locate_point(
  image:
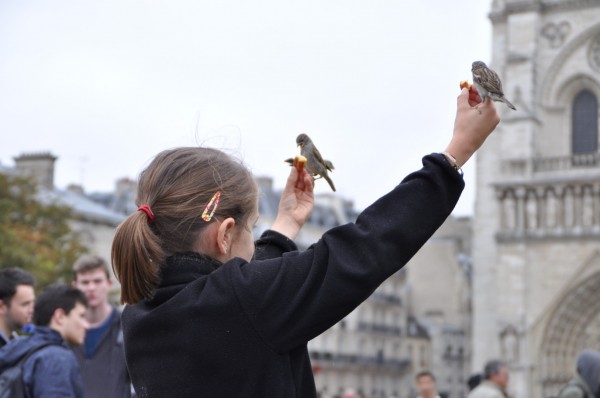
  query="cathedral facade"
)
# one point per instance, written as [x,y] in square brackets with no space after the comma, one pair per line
[536,249]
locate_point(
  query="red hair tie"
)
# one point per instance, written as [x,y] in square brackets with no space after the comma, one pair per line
[146,209]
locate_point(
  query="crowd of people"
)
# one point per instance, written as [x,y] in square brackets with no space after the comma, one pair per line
[69,336]
[493,381]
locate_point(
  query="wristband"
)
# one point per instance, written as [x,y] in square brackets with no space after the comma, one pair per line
[452,160]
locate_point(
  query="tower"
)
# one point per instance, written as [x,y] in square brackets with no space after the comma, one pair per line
[536,295]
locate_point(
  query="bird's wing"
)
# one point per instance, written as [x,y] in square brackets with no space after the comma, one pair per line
[318,155]
[492,80]
[328,165]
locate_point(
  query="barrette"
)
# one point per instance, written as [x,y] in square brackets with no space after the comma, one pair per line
[206,216]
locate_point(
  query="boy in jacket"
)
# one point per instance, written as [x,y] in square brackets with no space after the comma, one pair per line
[52,371]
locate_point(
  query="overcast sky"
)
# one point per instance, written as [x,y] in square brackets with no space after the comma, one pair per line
[106,85]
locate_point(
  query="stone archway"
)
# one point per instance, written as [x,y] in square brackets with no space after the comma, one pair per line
[548,90]
[573,326]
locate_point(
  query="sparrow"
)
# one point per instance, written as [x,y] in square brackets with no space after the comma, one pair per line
[488,84]
[316,165]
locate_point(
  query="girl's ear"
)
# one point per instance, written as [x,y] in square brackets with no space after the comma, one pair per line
[224,235]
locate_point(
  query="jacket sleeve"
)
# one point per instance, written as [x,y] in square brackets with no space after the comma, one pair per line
[293,298]
[55,373]
[272,244]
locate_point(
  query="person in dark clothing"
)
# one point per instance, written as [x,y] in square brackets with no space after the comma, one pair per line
[16,302]
[51,371]
[211,314]
[102,357]
[586,382]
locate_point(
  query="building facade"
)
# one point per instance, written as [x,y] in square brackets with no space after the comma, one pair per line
[439,279]
[537,215]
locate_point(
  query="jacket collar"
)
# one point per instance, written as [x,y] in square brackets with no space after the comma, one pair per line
[48,335]
[3,339]
[179,270]
[182,268]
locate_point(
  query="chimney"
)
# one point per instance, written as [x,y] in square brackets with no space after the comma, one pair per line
[39,166]
[76,188]
[125,186]
[265,184]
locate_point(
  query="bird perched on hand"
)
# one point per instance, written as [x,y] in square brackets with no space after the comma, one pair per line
[488,84]
[316,165]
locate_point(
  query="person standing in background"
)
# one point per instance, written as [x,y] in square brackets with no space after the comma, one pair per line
[586,382]
[16,302]
[51,370]
[495,381]
[426,385]
[102,356]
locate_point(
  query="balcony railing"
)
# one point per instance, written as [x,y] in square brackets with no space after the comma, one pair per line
[359,360]
[578,161]
[549,210]
[384,298]
[379,328]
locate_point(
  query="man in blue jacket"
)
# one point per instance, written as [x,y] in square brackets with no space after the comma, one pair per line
[52,371]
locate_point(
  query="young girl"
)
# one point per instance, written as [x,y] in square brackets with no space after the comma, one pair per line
[213,314]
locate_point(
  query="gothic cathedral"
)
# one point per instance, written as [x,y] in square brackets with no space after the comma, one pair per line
[536,283]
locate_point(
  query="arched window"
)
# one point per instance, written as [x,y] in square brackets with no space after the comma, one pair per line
[585,123]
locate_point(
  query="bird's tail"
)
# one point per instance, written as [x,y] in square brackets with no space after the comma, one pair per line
[326,177]
[507,102]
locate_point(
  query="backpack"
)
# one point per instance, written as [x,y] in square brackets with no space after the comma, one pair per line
[11,380]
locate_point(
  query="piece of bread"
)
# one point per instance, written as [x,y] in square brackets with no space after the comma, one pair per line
[465,84]
[299,163]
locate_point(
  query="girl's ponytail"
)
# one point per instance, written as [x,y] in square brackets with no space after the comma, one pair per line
[136,256]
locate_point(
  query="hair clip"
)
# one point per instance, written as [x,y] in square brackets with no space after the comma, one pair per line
[146,209]
[206,216]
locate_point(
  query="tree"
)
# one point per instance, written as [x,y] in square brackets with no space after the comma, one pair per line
[35,236]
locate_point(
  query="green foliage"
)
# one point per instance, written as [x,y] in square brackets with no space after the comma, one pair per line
[35,236]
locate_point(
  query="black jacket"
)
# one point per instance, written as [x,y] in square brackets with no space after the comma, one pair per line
[240,329]
[105,373]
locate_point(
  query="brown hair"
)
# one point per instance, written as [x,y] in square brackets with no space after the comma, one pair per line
[89,263]
[425,373]
[177,186]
